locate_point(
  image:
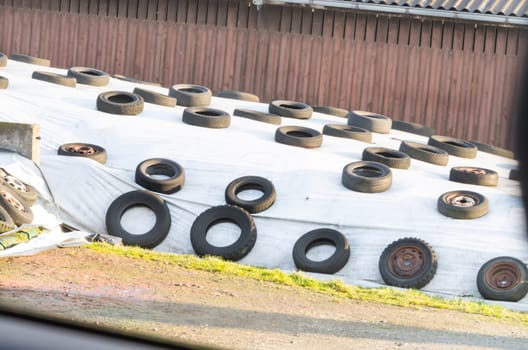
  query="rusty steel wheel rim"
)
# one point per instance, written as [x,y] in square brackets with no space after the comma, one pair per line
[407,261]
[462,200]
[82,149]
[15,183]
[503,276]
[15,203]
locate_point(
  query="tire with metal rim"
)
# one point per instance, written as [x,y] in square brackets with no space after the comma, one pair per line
[6,222]
[23,190]
[474,176]
[335,111]
[120,102]
[85,150]
[54,78]
[371,121]
[17,208]
[251,183]
[456,147]
[3,59]
[514,175]
[258,116]
[89,76]
[408,263]
[134,80]
[238,95]
[30,59]
[503,278]
[155,97]
[413,128]
[290,109]
[126,201]
[348,132]
[206,117]
[322,236]
[299,136]
[221,214]
[498,151]
[463,204]
[367,177]
[160,166]
[389,157]
[425,153]
[4,82]
[190,95]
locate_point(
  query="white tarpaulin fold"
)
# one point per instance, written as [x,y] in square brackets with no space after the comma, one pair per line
[307,181]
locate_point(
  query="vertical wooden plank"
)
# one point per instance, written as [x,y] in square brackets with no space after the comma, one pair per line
[270,74]
[240,68]
[360,28]
[382,30]
[172,12]
[426,34]
[305,68]
[182,11]
[501,42]
[458,36]
[334,81]
[338,30]
[490,39]
[243,14]
[201,11]
[34,44]
[404,33]
[112,8]
[83,7]
[131,40]
[132,9]
[229,58]
[192,12]
[286,19]
[282,66]
[345,73]
[296,20]
[306,21]
[269,18]
[312,97]
[317,22]
[415,32]
[321,88]
[328,24]
[232,13]
[294,62]
[221,15]
[370,28]
[142,9]
[393,30]
[45,29]
[260,65]
[252,22]
[120,46]
[93,7]
[211,8]
[249,81]
[170,57]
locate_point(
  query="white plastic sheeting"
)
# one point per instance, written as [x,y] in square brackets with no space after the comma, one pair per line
[308,183]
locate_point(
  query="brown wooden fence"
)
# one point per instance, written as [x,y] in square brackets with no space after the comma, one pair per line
[457,77]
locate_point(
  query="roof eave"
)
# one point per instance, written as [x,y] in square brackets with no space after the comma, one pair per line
[401,10]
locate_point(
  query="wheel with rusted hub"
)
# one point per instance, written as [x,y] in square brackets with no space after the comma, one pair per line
[408,263]
[463,204]
[16,207]
[24,191]
[85,150]
[474,176]
[503,278]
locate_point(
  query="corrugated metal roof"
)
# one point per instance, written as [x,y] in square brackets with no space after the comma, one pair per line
[516,8]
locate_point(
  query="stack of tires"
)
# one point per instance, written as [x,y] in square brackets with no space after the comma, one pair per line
[16,198]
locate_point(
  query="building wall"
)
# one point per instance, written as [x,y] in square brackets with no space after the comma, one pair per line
[460,78]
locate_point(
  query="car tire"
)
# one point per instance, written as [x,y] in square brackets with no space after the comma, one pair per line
[318,237]
[4,83]
[206,117]
[408,263]
[503,278]
[389,157]
[413,128]
[23,190]
[238,95]
[463,204]
[299,136]
[258,116]
[334,111]
[30,59]
[251,183]
[128,200]
[425,153]
[224,213]
[373,122]
[190,95]
[85,150]
[160,166]
[456,147]
[367,177]
[120,102]
[474,176]
[54,78]
[348,132]
[155,97]
[498,151]
[290,109]
[17,208]
[89,76]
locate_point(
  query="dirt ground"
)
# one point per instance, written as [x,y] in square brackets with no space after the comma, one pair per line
[160,299]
